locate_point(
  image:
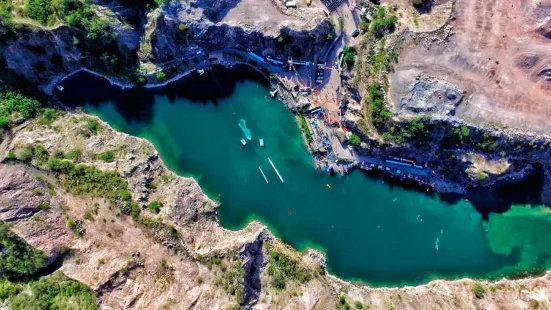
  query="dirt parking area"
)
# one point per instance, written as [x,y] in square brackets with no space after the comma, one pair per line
[499,56]
[269,16]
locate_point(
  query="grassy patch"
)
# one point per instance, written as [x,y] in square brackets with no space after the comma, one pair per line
[108,156]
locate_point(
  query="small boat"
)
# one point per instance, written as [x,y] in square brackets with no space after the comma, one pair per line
[201,71]
[60,87]
[261,141]
[243,141]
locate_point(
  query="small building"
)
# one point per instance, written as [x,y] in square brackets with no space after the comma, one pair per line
[291,4]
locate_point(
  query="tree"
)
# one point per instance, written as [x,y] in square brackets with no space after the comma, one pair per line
[161,76]
[354,139]
[329,37]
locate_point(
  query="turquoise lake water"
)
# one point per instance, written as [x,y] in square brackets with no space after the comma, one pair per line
[370,231]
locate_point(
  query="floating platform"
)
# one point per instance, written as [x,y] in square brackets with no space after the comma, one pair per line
[261,141]
[60,87]
[265,178]
[243,141]
[275,169]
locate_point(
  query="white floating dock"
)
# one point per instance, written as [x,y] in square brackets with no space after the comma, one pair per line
[243,141]
[261,141]
[275,169]
[265,178]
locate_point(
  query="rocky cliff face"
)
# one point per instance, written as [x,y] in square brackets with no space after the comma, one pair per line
[174,38]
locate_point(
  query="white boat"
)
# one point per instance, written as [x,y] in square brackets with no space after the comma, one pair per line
[201,71]
[243,141]
[261,141]
[60,87]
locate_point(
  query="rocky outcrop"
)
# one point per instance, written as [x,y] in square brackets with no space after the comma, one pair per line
[169,40]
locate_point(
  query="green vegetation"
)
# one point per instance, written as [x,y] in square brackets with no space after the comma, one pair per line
[354,139]
[481,176]
[107,156]
[48,116]
[342,303]
[377,111]
[14,106]
[305,129]
[349,55]
[233,281]
[283,268]
[41,10]
[382,22]
[280,40]
[77,14]
[487,143]
[155,206]
[74,155]
[161,76]
[93,126]
[462,132]
[30,152]
[182,28]
[358,304]
[48,293]
[18,259]
[478,290]
[329,37]
[420,3]
[380,59]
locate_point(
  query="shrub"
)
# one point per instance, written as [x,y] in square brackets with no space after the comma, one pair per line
[358,304]
[93,126]
[40,10]
[74,155]
[478,290]
[285,268]
[27,153]
[349,55]
[182,27]
[161,76]
[155,206]
[108,156]
[329,37]
[13,102]
[354,139]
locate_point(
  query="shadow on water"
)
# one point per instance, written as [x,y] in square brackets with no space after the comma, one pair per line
[497,198]
[501,196]
[136,104]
